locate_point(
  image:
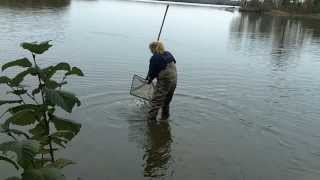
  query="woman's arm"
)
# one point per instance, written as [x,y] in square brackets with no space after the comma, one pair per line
[153,69]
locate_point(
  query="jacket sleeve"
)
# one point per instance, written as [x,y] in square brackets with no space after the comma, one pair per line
[153,69]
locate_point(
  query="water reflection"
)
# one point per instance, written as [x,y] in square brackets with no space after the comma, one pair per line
[157,149]
[286,36]
[155,140]
[34,3]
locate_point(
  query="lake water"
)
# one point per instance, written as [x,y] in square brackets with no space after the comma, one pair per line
[247,105]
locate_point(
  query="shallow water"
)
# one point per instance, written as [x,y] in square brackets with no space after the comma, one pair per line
[247,103]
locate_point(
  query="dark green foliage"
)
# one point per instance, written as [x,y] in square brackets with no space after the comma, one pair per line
[35,47]
[47,132]
[36,91]
[4,80]
[75,71]
[304,7]
[2,102]
[16,132]
[21,107]
[63,99]
[66,125]
[25,150]
[18,91]
[62,66]
[24,62]
[52,84]
[2,158]
[39,130]
[61,163]
[316,6]
[24,117]
[20,77]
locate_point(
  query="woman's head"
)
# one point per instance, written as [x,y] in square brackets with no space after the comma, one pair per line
[156,47]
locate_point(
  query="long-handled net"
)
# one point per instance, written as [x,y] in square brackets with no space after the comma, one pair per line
[140,88]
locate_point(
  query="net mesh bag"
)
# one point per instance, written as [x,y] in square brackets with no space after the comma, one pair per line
[140,88]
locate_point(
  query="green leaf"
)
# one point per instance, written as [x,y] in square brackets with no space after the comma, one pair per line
[3,128]
[66,135]
[38,130]
[51,70]
[4,80]
[20,77]
[63,99]
[24,117]
[43,174]
[51,84]
[18,92]
[51,110]
[2,102]
[62,124]
[25,150]
[43,140]
[60,163]
[2,158]
[62,66]
[13,178]
[75,71]
[24,62]
[21,86]
[19,133]
[59,141]
[42,73]
[36,91]
[47,151]
[39,163]
[35,47]
[26,106]
[48,71]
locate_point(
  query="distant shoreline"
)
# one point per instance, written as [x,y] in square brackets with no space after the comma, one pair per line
[236,6]
[285,13]
[200,2]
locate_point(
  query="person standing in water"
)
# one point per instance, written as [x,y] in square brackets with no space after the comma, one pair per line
[163,68]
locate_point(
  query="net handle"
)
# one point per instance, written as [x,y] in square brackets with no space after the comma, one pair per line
[163,20]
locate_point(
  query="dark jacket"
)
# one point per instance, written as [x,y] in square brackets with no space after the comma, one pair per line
[158,62]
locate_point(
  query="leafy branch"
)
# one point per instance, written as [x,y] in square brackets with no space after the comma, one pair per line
[35,148]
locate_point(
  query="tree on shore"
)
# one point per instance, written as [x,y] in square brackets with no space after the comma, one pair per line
[297,6]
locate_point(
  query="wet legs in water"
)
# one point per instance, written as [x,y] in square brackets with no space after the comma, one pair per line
[161,100]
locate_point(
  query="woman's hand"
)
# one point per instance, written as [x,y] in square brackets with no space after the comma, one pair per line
[149,81]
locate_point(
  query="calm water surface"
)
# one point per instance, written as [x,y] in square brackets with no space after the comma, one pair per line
[247,104]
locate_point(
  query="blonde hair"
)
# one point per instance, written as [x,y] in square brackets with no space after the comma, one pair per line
[157,47]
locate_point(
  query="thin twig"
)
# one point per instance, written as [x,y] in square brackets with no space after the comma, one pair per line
[9,134]
[64,78]
[33,98]
[42,157]
[3,114]
[18,95]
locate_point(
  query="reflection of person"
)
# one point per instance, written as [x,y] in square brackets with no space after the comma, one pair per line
[163,68]
[157,150]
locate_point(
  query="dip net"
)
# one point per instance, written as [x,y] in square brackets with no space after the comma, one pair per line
[140,88]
